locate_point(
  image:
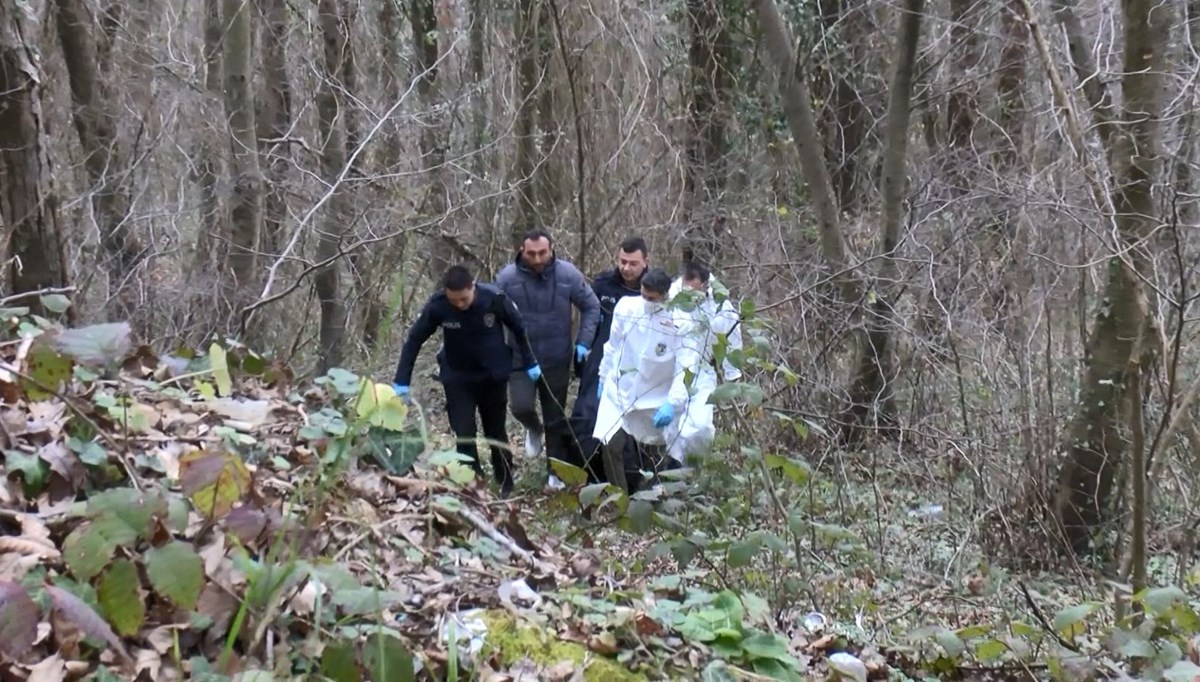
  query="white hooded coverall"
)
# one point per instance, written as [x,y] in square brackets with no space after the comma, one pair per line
[723,319]
[647,359]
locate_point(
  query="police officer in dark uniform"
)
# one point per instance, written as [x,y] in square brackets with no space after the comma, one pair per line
[610,286]
[475,363]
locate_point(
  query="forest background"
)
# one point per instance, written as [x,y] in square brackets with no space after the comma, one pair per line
[958,232]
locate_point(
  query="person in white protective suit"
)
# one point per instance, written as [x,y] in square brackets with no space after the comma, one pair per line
[643,392]
[723,316]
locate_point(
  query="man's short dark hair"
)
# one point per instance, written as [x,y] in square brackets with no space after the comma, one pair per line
[457,278]
[656,280]
[696,271]
[534,235]
[632,244]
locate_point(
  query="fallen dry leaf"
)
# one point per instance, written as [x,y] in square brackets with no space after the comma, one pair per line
[50,669]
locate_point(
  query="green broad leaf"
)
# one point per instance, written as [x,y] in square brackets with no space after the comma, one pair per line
[56,303]
[1137,647]
[639,515]
[98,345]
[953,645]
[343,382]
[1182,671]
[379,405]
[365,600]
[591,493]
[395,451]
[338,662]
[87,550]
[737,392]
[134,510]
[176,572]
[1159,600]
[84,617]
[11,315]
[90,452]
[795,470]
[34,470]
[741,553]
[120,598]
[220,369]
[569,474]
[1069,622]
[1025,630]
[683,551]
[48,370]
[387,659]
[990,650]
[768,645]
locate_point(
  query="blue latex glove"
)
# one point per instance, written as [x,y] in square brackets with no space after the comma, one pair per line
[534,373]
[664,415]
[599,390]
[581,352]
[401,390]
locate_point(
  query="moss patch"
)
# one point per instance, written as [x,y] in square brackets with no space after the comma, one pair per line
[516,641]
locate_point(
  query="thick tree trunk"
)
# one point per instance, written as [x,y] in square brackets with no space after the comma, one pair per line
[209,250]
[708,59]
[36,251]
[1010,86]
[274,120]
[847,117]
[327,281]
[872,401]
[432,209]
[96,127]
[1094,444]
[524,165]
[797,109]
[246,214]
[962,106]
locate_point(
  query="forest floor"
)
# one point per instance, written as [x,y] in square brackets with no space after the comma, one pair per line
[179,516]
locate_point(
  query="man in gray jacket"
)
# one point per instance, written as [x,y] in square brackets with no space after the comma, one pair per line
[544,290]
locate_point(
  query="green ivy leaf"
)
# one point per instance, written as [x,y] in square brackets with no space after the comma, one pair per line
[119,597]
[56,303]
[1159,600]
[990,650]
[737,391]
[1069,621]
[176,572]
[387,659]
[795,470]
[568,473]
[742,552]
[48,371]
[34,470]
[338,664]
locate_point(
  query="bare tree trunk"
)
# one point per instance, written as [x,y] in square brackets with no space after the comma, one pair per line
[246,213]
[327,281]
[1010,86]
[872,400]
[1094,445]
[797,108]
[208,249]
[708,59]
[96,127]
[432,208]
[36,252]
[274,120]
[528,71]
[848,118]
[962,106]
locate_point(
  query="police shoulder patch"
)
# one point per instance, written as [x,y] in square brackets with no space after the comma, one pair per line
[489,320]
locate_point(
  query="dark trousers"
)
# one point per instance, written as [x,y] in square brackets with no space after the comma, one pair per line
[625,458]
[551,392]
[490,400]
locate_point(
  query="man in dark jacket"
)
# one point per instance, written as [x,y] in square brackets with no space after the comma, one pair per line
[545,289]
[476,362]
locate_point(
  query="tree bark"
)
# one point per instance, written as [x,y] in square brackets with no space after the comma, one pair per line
[1094,444]
[208,250]
[708,60]
[36,241]
[848,118]
[432,209]
[872,401]
[247,209]
[327,280]
[1010,86]
[274,120]
[527,217]
[962,106]
[96,127]
[797,109]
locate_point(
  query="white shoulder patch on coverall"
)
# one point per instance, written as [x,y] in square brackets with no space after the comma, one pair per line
[641,371]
